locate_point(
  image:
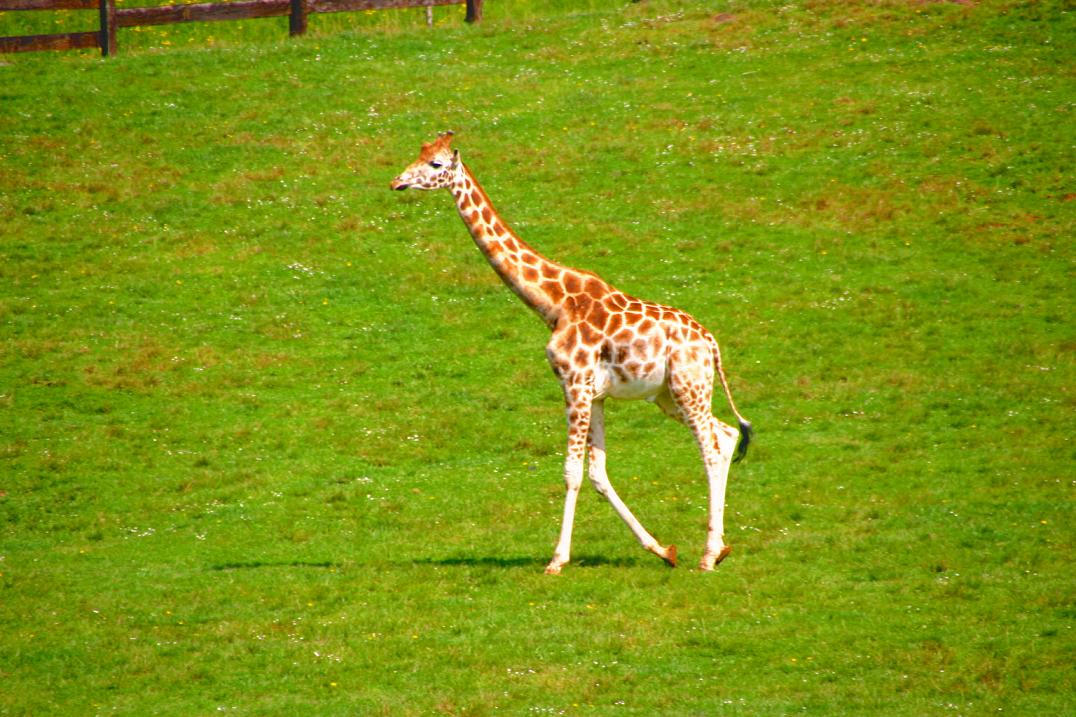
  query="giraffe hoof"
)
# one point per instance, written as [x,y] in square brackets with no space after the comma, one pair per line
[552,569]
[669,556]
[711,561]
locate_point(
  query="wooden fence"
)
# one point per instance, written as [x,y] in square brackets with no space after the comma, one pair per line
[112,17]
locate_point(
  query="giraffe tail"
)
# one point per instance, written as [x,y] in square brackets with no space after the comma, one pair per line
[747,432]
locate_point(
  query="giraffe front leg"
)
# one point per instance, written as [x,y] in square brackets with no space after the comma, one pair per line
[579,406]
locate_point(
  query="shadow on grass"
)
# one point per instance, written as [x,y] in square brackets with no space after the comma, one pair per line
[474,561]
[260,564]
[583,561]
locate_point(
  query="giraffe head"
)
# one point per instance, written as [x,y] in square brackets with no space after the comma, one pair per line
[434,168]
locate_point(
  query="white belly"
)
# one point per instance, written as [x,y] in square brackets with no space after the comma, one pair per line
[610,382]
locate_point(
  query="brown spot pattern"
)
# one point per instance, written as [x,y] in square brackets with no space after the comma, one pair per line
[570,338]
[611,326]
[589,334]
[553,290]
[597,315]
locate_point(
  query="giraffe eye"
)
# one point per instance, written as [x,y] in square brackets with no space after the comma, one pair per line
[436,165]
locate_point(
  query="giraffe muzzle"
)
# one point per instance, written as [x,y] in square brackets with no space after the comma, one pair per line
[398,185]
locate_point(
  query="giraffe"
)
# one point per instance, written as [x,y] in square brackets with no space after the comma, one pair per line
[604,344]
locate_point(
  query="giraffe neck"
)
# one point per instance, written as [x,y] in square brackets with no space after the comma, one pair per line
[533,278]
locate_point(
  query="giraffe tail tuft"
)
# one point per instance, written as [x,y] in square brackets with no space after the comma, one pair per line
[746,431]
[746,434]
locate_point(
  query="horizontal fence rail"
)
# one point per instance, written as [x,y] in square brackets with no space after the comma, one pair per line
[112,17]
[201,12]
[6,5]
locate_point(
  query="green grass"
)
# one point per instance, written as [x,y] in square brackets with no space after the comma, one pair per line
[276,441]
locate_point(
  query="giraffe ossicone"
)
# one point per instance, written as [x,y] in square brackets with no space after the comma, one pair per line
[604,344]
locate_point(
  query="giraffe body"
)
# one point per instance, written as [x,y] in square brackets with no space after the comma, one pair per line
[604,344]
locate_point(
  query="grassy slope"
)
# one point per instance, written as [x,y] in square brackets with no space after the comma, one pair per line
[276,441]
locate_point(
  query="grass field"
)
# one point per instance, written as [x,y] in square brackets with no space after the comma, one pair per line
[276,441]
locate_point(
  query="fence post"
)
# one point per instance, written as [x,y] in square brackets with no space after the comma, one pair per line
[297,19]
[108,27]
[474,10]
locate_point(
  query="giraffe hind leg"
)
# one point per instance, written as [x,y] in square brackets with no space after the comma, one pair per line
[720,443]
[688,400]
